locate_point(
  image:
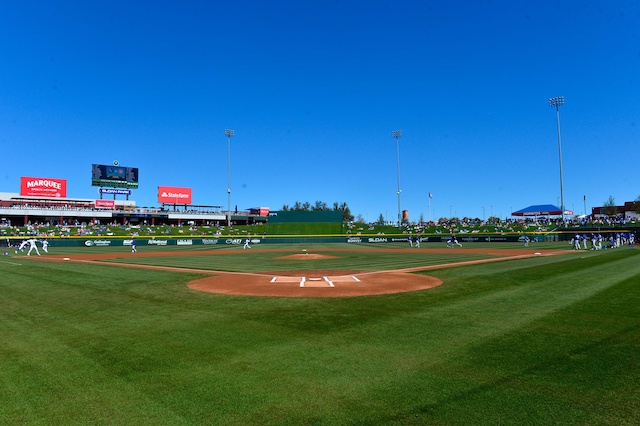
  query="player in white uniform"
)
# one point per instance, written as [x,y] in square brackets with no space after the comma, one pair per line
[45,246]
[246,244]
[32,245]
[22,245]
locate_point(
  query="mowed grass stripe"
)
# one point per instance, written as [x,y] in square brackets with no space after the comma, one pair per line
[501,343]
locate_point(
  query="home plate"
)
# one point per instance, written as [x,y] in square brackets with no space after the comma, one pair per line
[317,282]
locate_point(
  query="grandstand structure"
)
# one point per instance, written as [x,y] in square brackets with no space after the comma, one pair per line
[20,210]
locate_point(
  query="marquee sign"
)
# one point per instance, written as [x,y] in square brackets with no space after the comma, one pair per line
[43,187]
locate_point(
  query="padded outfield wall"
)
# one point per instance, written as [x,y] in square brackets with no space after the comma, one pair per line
[259,241]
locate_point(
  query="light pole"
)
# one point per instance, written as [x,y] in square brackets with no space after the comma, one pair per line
[229,133]
[556,102]
[396,134]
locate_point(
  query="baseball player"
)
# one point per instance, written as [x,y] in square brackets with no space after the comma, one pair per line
[576,242]
[246,244]
[32,245]
[22,245]
[45,246]
[134,247]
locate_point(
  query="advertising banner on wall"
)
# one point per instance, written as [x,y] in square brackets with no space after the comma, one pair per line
[174,195]
[43,187]
[105,204]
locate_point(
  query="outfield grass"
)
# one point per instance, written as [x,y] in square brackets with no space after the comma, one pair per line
[545,340]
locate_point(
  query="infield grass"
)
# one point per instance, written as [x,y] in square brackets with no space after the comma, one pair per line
[544,340]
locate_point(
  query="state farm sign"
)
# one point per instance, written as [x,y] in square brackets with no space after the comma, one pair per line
[105,204]
[174,195]
[43,187]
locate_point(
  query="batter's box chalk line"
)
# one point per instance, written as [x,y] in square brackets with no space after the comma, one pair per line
[330,280]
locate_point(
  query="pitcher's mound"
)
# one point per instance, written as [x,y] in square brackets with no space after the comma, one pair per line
[307,256]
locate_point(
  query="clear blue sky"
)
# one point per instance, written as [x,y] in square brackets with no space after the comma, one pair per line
[313,90]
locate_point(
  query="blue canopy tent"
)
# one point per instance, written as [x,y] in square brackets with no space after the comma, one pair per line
[541,210]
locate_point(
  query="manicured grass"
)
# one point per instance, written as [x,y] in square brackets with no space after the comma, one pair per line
[545,340]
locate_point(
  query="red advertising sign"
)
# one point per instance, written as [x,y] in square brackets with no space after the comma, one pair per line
[173,195]
[43,187]
[105,204]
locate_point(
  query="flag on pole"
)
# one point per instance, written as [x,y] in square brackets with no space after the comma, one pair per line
[430,195]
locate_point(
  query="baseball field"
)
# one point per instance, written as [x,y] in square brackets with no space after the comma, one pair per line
[489,334]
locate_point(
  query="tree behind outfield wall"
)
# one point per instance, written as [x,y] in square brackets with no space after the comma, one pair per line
[346,212]
[609,207]
[636,205]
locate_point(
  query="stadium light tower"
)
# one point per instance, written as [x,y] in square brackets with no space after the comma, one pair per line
[229,133]
[396,134]
[556,102]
